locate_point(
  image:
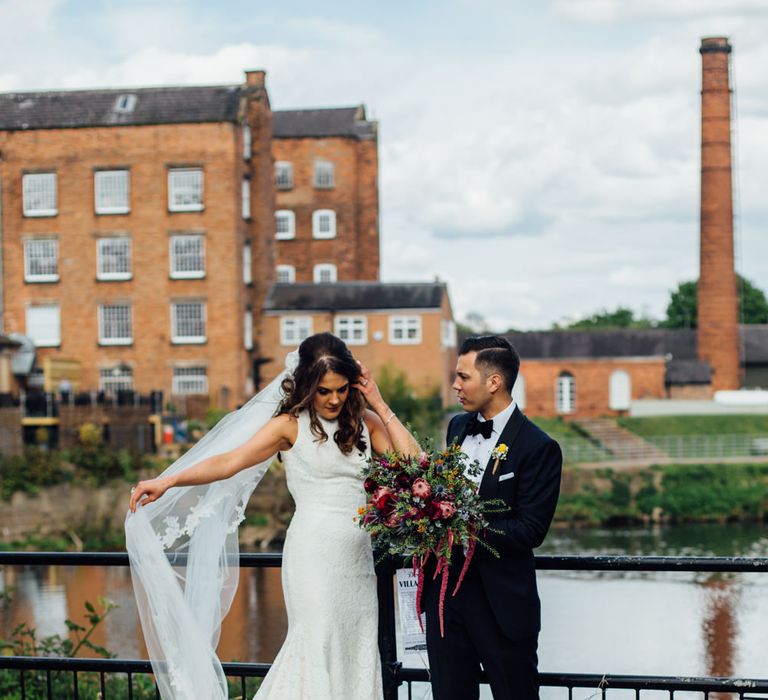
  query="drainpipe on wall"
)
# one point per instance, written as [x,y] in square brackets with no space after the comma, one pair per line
[2,285]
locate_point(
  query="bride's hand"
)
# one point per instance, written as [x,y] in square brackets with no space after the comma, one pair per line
[368,387]
[147,491]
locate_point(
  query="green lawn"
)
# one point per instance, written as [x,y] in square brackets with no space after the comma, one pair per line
[557,428]
[658,426]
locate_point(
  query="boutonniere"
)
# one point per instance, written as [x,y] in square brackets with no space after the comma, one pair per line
[499,454]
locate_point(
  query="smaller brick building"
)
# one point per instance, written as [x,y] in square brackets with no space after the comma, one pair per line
[327,196]
[407,326]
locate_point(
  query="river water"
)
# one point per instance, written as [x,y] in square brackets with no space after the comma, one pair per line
[593,622]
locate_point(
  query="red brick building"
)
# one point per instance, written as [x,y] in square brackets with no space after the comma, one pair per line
[327,198]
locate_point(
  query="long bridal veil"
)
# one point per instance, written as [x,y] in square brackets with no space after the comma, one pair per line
[184,556]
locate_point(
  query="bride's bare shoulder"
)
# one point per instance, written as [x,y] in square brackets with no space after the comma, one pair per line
[287,426]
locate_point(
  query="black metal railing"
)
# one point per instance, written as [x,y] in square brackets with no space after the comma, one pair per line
[395,675]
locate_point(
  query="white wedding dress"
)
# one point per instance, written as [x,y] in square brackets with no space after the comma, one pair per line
[331,648]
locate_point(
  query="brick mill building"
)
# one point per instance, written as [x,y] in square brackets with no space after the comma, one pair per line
[138,228]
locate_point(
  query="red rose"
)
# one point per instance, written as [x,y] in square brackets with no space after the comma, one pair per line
[402,481]
[421,488]
[432,511]
[381,495]
[447,509]
[370,485]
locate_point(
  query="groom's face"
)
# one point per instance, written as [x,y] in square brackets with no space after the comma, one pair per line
[471,386]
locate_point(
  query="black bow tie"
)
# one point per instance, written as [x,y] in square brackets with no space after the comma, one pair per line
[476,427]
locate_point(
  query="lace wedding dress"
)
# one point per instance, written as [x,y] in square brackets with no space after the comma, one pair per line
[331,648]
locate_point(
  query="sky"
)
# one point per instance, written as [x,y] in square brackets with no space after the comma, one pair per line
[541,157]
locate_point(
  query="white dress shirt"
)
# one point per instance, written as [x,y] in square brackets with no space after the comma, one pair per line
[476,447]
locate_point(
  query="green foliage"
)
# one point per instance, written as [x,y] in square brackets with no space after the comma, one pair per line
[30,471]
[213,416]
[683,304]
[657,426]
[622,317]
[423,413]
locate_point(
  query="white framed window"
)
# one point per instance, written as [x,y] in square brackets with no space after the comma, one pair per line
[39,194]
[353,330]
[565,393]
[111,190]
[188,322]
[247,145]
[125,104]
[286,274]
[405,330]
[322,174]
[294,329]
[324,223]
[117,378]
[43,325]
[324,272]
[248,329]
[245,190]
[185,189]
[448,337]
[41,260]
[284,175]
[285,224]
[190,380]
[619,390]
[247,270]
[113,258]
[115,324]
[187,256]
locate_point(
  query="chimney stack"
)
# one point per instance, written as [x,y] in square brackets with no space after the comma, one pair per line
[718,329]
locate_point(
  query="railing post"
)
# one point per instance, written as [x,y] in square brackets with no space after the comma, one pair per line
[387,639]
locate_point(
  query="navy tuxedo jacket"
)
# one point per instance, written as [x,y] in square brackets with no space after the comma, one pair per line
[532,469]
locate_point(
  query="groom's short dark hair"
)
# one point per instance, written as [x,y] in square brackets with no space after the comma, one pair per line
[494,354]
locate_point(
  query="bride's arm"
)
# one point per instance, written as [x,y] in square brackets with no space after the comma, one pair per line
[278,434]
[386,430]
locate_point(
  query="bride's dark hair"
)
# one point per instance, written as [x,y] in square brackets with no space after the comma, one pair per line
[318,354]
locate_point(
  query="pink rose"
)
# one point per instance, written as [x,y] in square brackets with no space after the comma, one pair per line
[447,509]
[421,488]
[381,495]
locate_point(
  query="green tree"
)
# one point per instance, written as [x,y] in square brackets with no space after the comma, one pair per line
[423,413]
[622,317]
[683,304]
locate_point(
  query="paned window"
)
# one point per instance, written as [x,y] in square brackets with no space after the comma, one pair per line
[286,274]
[247,148]
[246,197]
[190,380]
[448,333]
[185,189]
[188,322]
[285,224]
[565,393]
[44,325]
[322,174]
[111,191]
[324,223]
[324,272]
[114,379]
[39,194]
[113,259]
[41,260]
[247,273]
[283,175]
[248,329]
[405,330]
[115,324]
[353,330]
[187,256]
[294,329]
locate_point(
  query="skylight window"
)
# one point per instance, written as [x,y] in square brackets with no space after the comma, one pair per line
[125,103]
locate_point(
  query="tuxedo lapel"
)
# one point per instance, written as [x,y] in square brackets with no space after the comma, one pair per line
[459,428]
[490,481]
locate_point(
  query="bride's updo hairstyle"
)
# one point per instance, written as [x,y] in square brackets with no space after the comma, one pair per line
[318,354]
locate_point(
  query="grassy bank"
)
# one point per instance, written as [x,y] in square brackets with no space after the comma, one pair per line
[696,425]
[669,493]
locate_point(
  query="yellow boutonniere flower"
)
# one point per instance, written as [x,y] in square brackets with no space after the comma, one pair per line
[499,454]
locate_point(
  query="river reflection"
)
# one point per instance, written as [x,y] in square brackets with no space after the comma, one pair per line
[593,622]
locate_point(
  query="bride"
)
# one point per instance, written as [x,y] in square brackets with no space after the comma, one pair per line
[183,548]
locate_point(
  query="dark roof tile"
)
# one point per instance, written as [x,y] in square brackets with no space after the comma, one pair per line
[315,123]
[354,296]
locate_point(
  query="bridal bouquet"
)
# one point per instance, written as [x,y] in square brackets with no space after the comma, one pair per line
[425,506]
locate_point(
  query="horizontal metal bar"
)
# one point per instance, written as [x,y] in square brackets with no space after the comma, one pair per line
[543,562]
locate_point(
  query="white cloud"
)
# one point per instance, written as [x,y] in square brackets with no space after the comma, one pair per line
[612,11]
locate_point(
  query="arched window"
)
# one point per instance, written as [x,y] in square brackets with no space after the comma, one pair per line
[565,393]
[619,390]
[518,392]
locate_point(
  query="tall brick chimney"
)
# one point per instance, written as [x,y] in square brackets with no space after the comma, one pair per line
[718,330]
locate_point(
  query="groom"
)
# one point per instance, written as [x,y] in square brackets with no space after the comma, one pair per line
[494,619]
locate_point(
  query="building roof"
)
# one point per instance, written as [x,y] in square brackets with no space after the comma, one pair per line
[315,123]
[88,108]
[687,372]
[72,109]
[357,296]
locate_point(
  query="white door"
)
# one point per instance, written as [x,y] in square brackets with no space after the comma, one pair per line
[619,390]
